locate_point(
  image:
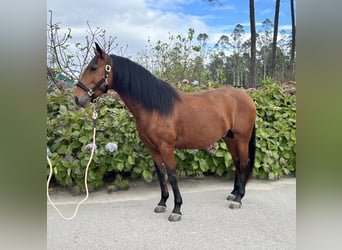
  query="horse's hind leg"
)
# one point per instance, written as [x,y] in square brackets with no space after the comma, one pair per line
[232,148]
[233,194]
[243,154]
[176,213]
[239,152]
[243,170]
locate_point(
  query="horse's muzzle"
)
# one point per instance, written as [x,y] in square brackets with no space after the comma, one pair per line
[77,101]
[81,102]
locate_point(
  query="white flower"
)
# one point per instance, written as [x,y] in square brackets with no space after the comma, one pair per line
[48,152]
[89,148]
[111,147]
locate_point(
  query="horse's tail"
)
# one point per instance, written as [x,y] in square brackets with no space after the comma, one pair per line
[251,153]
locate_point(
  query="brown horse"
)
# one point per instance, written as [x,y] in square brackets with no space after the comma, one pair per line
[167,118]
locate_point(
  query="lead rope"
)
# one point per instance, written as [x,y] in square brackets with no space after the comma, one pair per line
[85,176]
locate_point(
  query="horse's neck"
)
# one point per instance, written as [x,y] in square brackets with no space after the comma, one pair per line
[134,107]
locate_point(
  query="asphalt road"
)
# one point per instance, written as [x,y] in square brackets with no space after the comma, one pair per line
[125,219]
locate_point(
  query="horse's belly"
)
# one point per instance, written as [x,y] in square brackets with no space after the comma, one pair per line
[197,140]
[194,146]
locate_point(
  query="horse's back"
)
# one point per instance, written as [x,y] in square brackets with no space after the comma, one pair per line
[221,102]
[205,117]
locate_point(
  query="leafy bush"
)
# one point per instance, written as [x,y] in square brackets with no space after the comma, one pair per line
[70,130]
[276,131]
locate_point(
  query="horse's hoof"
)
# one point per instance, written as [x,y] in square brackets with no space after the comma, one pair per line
[175,217]
[160,209]
[235,205]
[231,197]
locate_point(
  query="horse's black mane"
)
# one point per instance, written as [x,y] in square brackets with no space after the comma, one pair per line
[138,83]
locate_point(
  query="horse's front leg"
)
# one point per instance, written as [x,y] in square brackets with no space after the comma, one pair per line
[161,207]
[158,164]
[176,213]
[168,158]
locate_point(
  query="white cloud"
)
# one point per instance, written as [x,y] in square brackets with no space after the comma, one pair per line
[285,27]
[132,21]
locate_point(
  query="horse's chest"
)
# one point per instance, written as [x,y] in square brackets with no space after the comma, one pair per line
[156,132]
[146,133]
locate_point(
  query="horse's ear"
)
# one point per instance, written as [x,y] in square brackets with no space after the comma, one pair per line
[98,51]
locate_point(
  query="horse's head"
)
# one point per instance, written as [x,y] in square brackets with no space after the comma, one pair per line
[95,78]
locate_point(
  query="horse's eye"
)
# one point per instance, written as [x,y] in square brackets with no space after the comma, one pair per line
[93,68]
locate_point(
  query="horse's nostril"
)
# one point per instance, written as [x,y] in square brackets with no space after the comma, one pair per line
[76,101]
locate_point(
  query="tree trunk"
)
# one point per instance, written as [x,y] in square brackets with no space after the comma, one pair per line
[293,43]
[253,45]
[275,37]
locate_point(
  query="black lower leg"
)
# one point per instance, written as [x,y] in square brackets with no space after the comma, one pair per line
[236,179]
[177,195]
[243,176]
[235,189]
[163,187]
[240,192]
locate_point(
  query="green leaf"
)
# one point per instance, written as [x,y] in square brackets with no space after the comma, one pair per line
[220,170]
[92,174]
[75,133]
[120,166]
[147,175]
[131,160]
[271,176]
[262,174]
[194,164]
[203,166]
[223,145]
[220,153]
[62,149]
[227,157]
[83,139]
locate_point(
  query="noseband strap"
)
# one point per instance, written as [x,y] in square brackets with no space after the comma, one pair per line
[91,92]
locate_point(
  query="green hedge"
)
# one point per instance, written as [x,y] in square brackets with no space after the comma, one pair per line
[70,130]
[276,132]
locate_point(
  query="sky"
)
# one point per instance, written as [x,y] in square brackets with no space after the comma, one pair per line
[133,22]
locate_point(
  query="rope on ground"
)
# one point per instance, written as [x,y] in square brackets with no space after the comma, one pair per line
[85,177]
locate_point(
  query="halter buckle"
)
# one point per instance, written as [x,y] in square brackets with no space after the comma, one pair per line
[90,92]
[108,68]
[95,115]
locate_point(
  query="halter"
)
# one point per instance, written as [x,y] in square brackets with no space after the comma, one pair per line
[91,92]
